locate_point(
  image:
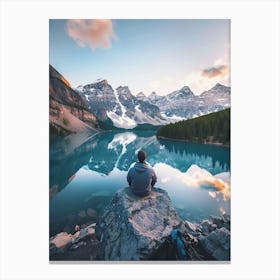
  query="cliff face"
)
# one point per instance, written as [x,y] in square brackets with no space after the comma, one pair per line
[68,112]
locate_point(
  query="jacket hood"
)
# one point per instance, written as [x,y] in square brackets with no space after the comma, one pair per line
[141,167]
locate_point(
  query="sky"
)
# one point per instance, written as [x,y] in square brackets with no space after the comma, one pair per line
[145,55]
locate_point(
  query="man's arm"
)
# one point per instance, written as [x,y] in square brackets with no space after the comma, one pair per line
[154,178]
[128,178]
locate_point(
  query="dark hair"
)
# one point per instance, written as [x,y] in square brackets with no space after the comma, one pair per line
[141,156]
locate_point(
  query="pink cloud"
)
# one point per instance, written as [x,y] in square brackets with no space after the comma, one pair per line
[95,33]
[215,71]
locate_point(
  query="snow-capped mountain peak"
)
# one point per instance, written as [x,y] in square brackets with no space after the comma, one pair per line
[184,104]
[140,95]
[183,93]
[153,94]
[79,88]
[99,80]
[186,90]
[217,89]
[124,90]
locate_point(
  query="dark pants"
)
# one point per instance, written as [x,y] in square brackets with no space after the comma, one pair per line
[143,193]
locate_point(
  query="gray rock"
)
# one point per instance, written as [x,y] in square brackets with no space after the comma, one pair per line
[62,241]
[135,228]
[206,226]
[78,245]
[85,233]
[217,244]
[214,227]
[223,221]
[190,226]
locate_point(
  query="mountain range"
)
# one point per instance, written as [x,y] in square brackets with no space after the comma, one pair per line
[126,110]
[87,107]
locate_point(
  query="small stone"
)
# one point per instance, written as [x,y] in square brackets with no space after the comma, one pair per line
[91,231]
[76,235]
[214,226]
[92,225]
[83,234]
[219,221]
[61,239]
[191,237]
[82,214]
[77,245]
[190,226]
[91,212]
[206,226]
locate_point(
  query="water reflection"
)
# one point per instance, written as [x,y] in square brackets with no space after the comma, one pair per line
[67,155]
[212,156]
[86,171]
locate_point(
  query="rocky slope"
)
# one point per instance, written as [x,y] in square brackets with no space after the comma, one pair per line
[68,113]
[142,96]
[148,228]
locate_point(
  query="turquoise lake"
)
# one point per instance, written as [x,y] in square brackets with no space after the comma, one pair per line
[86,171]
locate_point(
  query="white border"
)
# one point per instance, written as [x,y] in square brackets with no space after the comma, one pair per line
[255,138]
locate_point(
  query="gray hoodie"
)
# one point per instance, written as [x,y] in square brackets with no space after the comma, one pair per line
[141,178]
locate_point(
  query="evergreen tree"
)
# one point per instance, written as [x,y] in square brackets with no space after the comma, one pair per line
[214,126]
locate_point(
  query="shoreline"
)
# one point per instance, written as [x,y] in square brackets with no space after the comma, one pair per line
[188,141]
[84,245]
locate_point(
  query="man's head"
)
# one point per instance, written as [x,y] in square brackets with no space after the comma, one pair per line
[141,156]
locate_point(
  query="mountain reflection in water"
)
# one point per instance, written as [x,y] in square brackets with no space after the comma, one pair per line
[86,171]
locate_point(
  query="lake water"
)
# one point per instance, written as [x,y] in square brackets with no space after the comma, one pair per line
[86,171]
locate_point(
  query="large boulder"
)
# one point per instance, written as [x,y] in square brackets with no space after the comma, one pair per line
[217,244]
[137,228]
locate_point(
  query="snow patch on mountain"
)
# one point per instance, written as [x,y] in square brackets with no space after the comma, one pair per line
[173,118]
[121,121]
[143,118]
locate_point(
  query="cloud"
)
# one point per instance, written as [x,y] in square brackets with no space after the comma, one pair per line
[205,79]
[215,71]
[95,33]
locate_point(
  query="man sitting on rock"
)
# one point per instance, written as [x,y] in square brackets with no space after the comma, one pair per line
[141,177]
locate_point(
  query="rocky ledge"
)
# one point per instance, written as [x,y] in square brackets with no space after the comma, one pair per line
[145,228]
[136,228]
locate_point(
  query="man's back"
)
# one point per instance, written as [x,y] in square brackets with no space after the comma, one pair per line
[141,178]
